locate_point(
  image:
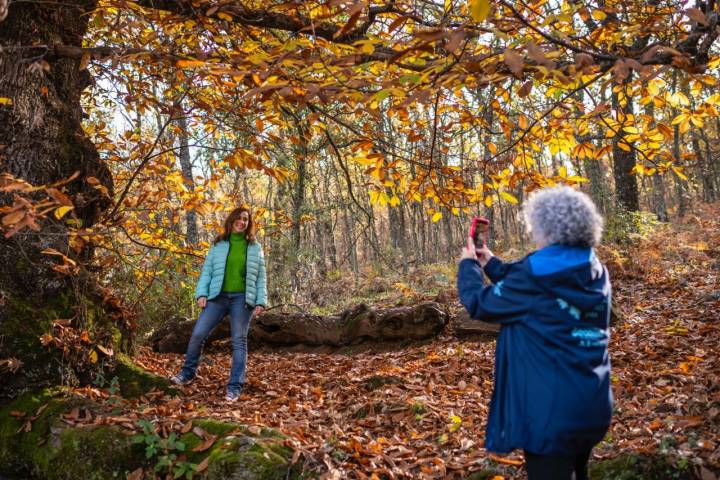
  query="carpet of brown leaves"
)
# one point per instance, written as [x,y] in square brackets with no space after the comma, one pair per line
[418,410]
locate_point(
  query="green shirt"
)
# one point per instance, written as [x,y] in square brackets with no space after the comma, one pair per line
[234,279]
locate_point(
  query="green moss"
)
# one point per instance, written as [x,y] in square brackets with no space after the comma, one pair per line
[52,449]
[354,320]
[26,321]
[134,381]
[218,428]
[93,453]
[241,454]
[248,458]
[13,441]
[485,474]
[640,467]
[210,426]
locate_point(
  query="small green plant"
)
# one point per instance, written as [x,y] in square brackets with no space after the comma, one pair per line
[114,390]
[99,381]
[667,444]
[418,408]
[149,438]
[166,451]
[623,227]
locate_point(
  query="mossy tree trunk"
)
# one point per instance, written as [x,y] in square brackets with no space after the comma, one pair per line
[42,142]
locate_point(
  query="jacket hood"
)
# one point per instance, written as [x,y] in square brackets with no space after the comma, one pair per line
[571,274]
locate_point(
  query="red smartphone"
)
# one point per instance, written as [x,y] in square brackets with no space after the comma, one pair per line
[479,231]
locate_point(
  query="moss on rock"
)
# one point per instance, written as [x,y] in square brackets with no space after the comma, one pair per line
[640,467]
[26,320]
[94,453]
[250,458]
[54,450]
[240,454]
[485,474]
[134,381]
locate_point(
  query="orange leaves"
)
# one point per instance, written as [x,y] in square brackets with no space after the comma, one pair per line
[10,365]
[26,212]
[22,214]
[506,460]
[69,266]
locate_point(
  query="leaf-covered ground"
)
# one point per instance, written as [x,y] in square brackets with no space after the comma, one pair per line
[418,410]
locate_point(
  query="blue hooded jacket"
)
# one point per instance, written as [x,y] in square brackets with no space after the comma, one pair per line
[552,371]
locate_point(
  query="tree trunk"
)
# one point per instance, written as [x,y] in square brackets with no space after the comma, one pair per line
[679,184]
[350,239]
[626,189]
[42,142]
[191,231]
[658,182]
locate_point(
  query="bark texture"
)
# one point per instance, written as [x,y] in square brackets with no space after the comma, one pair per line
[624,161]
[42,142]
[464,325]
[355,325]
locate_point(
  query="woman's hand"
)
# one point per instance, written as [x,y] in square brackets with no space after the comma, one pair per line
[483,254]
[468,250]
[202,302]
[258,310]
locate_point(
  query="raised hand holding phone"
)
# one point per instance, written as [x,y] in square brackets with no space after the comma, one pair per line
[477,241]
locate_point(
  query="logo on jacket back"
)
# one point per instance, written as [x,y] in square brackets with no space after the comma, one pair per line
[588,336]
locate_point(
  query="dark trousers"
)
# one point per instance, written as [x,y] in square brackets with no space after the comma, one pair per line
[556,467]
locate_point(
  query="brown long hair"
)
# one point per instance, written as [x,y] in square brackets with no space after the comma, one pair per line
[234,215]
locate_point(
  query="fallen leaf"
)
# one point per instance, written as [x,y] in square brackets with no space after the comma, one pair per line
[505,461]
[209,441]
[187,427]
[136,474]
[202,466]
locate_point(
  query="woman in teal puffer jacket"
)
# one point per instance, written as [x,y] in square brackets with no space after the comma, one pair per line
[232,282]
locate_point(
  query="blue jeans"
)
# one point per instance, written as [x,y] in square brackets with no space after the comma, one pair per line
[216,309]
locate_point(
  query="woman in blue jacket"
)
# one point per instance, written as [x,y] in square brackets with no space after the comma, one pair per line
[552,393]
[232,282]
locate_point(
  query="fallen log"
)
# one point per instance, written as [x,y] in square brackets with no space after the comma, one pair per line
[464,325]
[355,325]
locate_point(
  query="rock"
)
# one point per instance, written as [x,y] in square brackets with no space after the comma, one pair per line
[56,450]
[134,381]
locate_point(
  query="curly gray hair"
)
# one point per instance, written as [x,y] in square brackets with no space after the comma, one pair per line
[562,215]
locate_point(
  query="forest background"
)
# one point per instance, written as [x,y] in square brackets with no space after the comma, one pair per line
[364,135]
